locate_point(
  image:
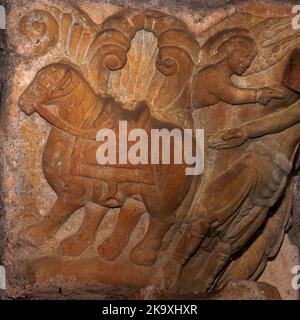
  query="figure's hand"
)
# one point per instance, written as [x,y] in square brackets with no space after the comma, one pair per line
[265,95]
[229,138]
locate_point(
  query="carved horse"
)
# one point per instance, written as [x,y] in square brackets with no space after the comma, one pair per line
[61,95]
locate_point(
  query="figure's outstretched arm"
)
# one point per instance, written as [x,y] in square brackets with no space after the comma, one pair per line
[225,91]
[270,124]
[274,123]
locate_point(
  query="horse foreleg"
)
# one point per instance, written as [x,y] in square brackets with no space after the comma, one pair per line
[85,236]
[129,216]
[145,253]
[58,215]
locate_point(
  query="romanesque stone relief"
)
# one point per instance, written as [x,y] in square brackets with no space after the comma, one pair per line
[237,80]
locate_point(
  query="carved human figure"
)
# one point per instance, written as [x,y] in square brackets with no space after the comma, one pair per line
[245,193]
[64,98]
[230,52]
[256,254]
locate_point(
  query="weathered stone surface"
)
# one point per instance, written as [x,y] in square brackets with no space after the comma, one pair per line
[233,290]
[71,225]
[278,271]
[247,290]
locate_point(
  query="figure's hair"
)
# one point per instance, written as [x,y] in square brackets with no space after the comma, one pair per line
[224,43]
[236,42]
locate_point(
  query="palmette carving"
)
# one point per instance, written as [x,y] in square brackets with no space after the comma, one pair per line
[178,50]
[196,226]
[39,29]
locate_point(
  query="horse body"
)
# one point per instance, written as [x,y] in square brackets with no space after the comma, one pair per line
[60,95]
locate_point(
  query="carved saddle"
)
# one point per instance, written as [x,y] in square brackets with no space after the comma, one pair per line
[84,164]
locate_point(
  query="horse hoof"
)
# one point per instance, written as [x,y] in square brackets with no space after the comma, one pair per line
[34,235]
[143,256]
[109,250]
[72,247]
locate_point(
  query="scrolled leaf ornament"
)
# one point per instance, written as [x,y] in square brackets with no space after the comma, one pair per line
[167,65]
[108,52]
[39,30]
[178,49]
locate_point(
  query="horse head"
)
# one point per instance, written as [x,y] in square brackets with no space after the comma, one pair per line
[50,83]
[63,91]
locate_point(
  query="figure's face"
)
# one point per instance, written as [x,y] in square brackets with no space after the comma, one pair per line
[240,60]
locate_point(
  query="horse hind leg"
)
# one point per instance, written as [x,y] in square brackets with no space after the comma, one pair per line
[129,217]
[37,234]
[81,240]
[145,253]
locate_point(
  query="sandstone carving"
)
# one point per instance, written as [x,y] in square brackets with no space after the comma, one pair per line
[73,173]
[239,81]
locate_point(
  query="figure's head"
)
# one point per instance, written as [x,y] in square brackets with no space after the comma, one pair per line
[50,83]
[235,46]
[240,52]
